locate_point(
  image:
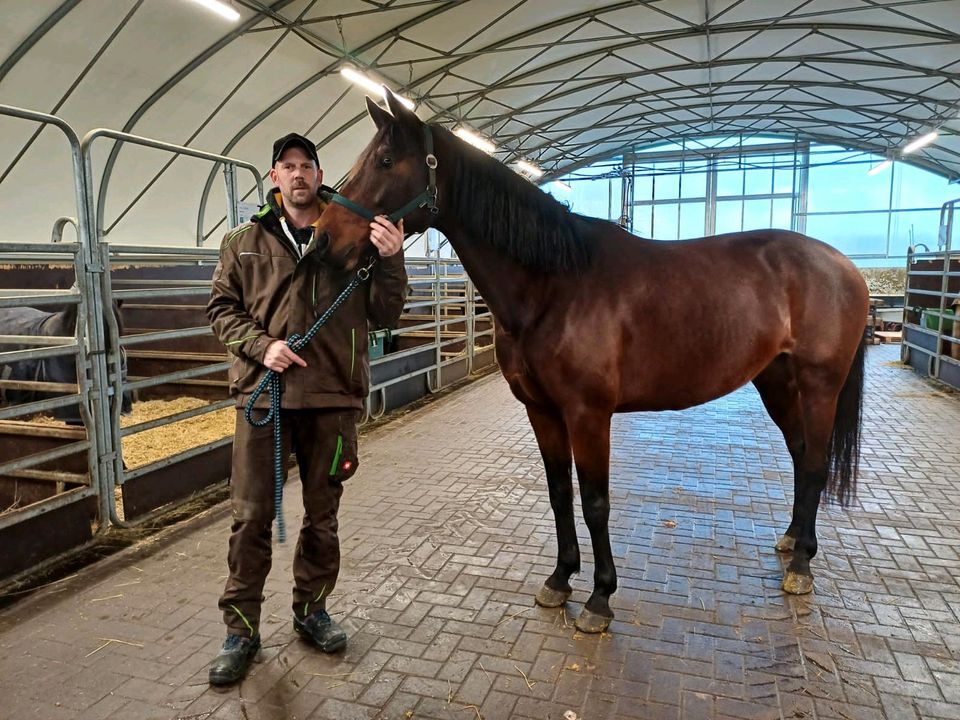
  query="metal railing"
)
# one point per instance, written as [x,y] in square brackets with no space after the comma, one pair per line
[90,321]
[229,174]
[931,290]
[452,301]
[445,334]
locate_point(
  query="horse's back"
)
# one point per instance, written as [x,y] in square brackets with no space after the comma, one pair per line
[726,305]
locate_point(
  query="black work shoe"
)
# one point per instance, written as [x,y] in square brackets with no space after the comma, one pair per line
[321,630]
[233,660]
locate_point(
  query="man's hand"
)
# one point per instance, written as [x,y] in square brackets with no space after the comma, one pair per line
[279,357]
[385,236]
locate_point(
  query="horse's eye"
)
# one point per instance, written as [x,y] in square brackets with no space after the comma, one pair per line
[386,161]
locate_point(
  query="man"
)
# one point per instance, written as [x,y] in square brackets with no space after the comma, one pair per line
[272,281]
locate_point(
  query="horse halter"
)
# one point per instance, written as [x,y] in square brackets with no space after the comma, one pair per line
[428,198]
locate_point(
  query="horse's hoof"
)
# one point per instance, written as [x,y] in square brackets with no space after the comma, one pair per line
[797,584]
[589,622]
[549,598]
[785,544]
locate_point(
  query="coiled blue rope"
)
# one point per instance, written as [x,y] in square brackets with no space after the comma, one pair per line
[271,383]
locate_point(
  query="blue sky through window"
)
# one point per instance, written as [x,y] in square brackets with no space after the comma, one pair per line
[872,218]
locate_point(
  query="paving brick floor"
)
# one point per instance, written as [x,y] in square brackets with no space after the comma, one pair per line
[447,533]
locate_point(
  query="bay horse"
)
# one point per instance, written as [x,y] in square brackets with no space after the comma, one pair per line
[591,321]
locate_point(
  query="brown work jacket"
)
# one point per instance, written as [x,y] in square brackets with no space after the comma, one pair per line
[264,291]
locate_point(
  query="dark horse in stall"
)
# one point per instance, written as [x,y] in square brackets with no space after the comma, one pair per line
[28,321]
[587,326]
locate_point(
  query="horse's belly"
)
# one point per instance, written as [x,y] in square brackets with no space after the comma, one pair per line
[671,383]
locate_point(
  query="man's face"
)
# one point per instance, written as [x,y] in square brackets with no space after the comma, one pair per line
[298,178]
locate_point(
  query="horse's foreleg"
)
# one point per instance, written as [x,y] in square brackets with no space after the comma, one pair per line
[590,435]
[554,442]
[818,413]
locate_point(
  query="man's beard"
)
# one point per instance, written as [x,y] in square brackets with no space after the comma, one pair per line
[291,200]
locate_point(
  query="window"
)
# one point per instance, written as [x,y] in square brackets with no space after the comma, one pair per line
[686,188]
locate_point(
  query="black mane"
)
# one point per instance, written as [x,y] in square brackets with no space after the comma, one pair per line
[515,216]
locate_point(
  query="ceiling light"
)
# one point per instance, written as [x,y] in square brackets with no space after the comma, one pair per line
[876,169]
[920,142]
[529,168]
[562,185]
[475,140]
[220,8]
[360,79]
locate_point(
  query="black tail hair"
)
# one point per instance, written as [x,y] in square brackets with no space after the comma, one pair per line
[843,454]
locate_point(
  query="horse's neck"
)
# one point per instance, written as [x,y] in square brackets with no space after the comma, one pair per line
[63,323]
[507,288]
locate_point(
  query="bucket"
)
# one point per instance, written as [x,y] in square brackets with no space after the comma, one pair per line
[930,317]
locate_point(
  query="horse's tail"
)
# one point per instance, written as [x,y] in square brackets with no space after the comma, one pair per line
[843,453]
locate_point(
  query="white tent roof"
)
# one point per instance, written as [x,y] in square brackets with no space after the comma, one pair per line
[561,83]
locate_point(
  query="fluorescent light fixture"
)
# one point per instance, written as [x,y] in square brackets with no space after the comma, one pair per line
[562,185]
[475,140]
[220,8]
[920,142]
[876,169]
[529,168]
[360,79]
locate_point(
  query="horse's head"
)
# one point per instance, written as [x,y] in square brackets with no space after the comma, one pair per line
[392,175]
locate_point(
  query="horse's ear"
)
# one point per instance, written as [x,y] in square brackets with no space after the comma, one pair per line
[380,116]
[400,111]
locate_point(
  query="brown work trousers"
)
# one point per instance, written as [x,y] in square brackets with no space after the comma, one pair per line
[325,443]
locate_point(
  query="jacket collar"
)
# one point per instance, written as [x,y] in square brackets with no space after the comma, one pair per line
[272,210]
[274,205]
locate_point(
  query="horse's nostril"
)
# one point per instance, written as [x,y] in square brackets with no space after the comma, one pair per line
[323,241]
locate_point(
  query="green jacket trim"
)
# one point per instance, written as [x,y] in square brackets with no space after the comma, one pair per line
[236,233]
[241,340]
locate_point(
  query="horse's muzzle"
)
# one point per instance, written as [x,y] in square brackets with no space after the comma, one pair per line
[323,242]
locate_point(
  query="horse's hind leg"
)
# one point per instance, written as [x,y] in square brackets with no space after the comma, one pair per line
[818,396]
[554,442]
[777,385]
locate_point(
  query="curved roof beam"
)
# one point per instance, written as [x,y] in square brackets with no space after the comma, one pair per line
[34,37]
[157,94]
[622,123]
[798,59]
[812,136]
[765,85]
[943,36]
[695,32]
[801,133]
[438,10]
[880,115]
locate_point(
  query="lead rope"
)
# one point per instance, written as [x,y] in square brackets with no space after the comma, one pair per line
[271,383]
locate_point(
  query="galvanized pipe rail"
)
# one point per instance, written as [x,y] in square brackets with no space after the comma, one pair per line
[945,256]
[95,409]
[98,344]
[228,162]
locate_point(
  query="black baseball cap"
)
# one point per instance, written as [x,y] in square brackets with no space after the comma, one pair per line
[294,140]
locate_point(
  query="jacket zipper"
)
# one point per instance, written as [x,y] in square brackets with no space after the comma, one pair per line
[353,350]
